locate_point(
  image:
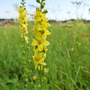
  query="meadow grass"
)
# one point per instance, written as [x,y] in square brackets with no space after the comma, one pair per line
[68,59]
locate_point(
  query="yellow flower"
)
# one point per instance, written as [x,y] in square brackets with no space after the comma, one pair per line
[26,38]
[21,10]
[22,21]
[37,58]
[41,41]
[34,77]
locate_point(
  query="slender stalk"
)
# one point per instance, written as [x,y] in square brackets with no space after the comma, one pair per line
[41,76]
[40,64]
[41,5]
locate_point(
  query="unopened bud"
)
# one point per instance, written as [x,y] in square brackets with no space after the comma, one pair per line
[44,3]
[38,1]
[42,6]
[37,8]
[45,11]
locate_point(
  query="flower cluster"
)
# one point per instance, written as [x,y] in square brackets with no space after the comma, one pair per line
[23,33]
[23,23]
[41,32]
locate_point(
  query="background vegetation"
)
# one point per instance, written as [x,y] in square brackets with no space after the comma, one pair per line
[68,59]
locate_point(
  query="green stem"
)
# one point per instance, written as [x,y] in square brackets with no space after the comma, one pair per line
[41,5]
[40,64]
[41,76]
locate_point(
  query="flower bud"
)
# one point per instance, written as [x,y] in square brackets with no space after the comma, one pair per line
[44,3]
[45,11]
[42,6]
[34,77]
[37,8]
[38,1]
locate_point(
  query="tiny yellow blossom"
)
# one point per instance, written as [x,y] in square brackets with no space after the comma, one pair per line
[26,79]
[39,85]
[34,77]
[28,48]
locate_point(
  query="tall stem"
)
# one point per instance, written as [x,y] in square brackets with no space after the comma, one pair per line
[41,76]
[40,64]
[41,5]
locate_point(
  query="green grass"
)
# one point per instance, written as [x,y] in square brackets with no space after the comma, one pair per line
[68,59]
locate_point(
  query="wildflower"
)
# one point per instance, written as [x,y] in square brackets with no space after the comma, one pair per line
[40,43]
[23,21]
[34,77]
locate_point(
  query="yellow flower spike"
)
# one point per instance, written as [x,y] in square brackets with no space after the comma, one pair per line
[40,43]
[22,21]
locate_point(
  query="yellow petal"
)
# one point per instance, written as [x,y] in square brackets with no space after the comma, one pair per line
[40,47]
[47,32]
[44,63]
[45,42]
[40,55]
[35,42]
